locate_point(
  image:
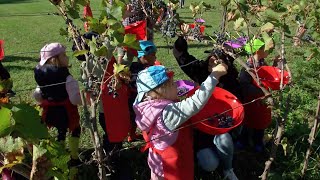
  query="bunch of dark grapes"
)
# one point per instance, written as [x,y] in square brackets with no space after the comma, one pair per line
[182,91]
[111,88]
[159,4]
[169,27]
[220,37]
[224,121]
[307,37]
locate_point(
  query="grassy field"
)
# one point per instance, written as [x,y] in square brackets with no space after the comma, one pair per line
[26,25]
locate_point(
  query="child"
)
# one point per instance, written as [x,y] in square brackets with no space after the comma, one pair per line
[257,115]
[146,57]
[58,94]
[159,115]
[210,150]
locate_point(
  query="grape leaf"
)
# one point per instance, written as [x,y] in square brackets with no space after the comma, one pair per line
[81,2]
[268,27]
[116,12]
[28,122]
[224,2]
[73,12]
[10,144]
[12,148]
[63,32]
[311,53]
[118,37]
[102,51]
[5,123]
[239,24]
[92,46]
[130,41]
[59,158]
[78,53]
[38,151]
[61,162]
[117,68]
[95,25]
[268,42]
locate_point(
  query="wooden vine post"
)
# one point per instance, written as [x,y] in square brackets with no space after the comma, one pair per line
[312,137]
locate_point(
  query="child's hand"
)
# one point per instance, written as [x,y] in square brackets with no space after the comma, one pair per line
[219,70]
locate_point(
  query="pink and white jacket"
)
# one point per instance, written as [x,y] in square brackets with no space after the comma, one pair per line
[161,117]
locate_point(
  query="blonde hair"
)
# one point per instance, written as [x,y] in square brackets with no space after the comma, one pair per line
[56,61]
[160,91]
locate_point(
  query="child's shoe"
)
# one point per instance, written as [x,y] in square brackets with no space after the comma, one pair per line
[230,175]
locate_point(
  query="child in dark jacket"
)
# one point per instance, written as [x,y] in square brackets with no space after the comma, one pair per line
[210,149]
[58,94]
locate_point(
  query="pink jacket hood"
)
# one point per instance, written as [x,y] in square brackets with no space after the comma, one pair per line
[148,112]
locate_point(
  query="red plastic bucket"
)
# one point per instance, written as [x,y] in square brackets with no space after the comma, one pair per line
[220,101]
[270,77]
[202,28]
[191,26]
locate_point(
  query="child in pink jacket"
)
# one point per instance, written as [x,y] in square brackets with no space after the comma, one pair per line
[159,116]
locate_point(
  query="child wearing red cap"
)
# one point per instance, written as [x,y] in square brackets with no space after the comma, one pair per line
[58,94]
[159,116]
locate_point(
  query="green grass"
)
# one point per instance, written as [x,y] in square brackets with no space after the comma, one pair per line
[25,35]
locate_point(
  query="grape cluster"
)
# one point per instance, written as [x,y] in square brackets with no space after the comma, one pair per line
[307,37]
[169,26]
[224,121]
[137,11]
[111,89]
[159,4]
[182,91]
[220,37]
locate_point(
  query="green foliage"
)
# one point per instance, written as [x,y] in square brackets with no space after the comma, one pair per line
[21,120]
[119,68]
[81,52]
[199,8]
[277,16]
[10,144]
[12,151]
[224,2]
[26,120]
[58,156]
[5,123]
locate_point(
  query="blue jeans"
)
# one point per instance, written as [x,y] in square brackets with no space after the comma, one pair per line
[209,158]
